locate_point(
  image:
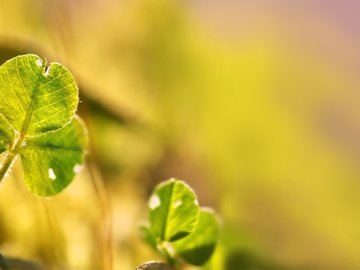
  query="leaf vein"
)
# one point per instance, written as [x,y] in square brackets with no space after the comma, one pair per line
[12,90]
[54,92]
[67,107]
[22,82]
[30,66]
[53,79]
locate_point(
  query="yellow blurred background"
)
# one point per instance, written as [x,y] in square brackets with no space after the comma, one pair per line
[256,104]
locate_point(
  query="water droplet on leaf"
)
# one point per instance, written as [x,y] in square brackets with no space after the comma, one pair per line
[154,202]
[39,62]
[178,203]
[52,175]
[77,168]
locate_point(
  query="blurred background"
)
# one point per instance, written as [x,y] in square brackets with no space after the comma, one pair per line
[256,104]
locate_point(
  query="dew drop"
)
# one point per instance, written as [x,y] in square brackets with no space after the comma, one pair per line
[154,202]
[39,62]
[177,203]
[52,175]
[77,168]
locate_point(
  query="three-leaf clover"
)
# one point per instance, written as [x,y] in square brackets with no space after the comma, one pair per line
[38,102]
[178,227]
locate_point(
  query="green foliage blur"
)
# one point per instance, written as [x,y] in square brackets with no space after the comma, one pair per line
[254,103]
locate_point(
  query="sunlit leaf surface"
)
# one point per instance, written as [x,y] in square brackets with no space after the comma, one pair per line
[147,236]
[36,97]
[50,161]
[6,135]
[174,210]
[198,247]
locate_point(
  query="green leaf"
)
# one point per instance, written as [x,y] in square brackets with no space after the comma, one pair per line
[198,247]
[147,236]
[36,97]
[173,211]
[7,135]
[37,104]
[154,266]
[50,161]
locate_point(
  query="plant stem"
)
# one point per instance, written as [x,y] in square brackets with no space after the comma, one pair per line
[6,165]
[11,156]
[164,249]
[106,216]
[101,192]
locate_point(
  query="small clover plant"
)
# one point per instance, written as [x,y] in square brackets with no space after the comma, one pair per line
[178,228]
[38,101]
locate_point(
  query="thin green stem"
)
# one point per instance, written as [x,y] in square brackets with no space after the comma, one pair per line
[106,219]
[11,156]
[6,165]
[165,248]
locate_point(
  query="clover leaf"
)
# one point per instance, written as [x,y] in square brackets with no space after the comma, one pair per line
[198,247]
[37,121]
[50,161]
[36,97]
[174,211]
[178,228]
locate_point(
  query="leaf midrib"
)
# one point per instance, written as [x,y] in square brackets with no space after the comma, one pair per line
[32,104]
[52,148]
[163,233]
